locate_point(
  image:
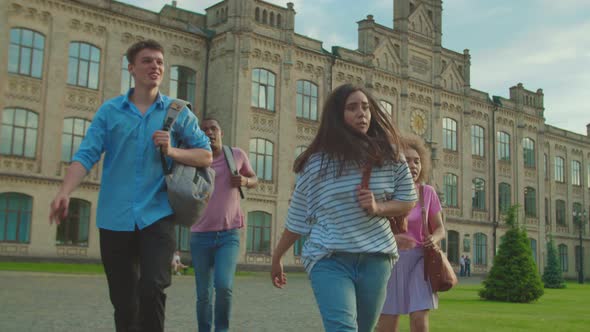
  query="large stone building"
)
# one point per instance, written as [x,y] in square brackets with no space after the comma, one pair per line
[243,63]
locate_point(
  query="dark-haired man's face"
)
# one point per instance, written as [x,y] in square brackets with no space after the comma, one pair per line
[214,132]
[147,69]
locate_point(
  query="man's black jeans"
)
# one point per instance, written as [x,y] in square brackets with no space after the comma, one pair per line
[137,265]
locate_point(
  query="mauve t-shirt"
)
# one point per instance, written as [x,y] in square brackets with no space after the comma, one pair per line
[223,211]
[432,204]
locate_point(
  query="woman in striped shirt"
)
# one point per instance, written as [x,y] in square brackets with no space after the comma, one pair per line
[349,249]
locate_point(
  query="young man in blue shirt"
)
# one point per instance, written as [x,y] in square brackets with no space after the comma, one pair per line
[133,215]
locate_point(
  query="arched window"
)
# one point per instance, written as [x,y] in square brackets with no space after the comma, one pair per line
[307,100]
[450,190]
[528,148]
[83,65]
[480,242]
[503,145]
[18,135]
[183,83]
[73,133]
[258,237]
[257,14]
[547,219]
[183,238]
[272,18]
[74,230]
[299,150]
[534,248]
[477,141]
[279,21]
[576,173]
[15,217]
[264,16]
[261,157]
[530,202]
[453,247]
[562,248]
[504,197]
[546,166]
[387,108]
[127,81]
[560,212]
[478,194]
[25,56]
[559,169]
[449,134]
[263,89]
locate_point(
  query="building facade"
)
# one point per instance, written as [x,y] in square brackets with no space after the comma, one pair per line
[242,63]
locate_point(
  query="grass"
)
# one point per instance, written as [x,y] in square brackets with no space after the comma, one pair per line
[460,309]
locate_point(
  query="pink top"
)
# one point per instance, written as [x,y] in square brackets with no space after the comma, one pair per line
[223,211]
[432,204]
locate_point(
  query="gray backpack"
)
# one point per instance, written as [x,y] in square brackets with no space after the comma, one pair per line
[189,188]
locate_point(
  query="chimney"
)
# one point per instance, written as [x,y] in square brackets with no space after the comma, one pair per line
[174,2]
[588,130]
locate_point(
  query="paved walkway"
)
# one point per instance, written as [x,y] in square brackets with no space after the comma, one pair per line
[43,302]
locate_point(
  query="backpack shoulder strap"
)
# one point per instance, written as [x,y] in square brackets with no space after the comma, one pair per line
[174,108]
[231,164]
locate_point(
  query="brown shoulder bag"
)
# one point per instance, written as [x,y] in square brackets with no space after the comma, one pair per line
[437,268]
[398,224]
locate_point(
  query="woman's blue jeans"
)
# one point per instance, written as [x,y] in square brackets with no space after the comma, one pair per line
[215,255]
[350,290]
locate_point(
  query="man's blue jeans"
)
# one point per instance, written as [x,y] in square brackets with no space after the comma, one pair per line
[350,290]
[215,255]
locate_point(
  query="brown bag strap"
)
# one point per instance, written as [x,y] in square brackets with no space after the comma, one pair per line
[366,176]
[425,226]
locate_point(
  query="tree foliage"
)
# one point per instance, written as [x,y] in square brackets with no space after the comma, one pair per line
[513,277]
[552,275]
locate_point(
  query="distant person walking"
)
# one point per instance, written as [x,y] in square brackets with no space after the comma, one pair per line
[215,239]
[467,266]
[133,214]
[462,264]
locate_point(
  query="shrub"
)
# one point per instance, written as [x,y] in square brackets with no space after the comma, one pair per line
[513,277]
[552,275]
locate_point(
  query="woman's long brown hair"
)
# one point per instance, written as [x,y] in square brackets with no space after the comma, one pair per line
[339,142]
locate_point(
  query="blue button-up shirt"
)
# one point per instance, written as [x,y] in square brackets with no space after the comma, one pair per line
[133,189]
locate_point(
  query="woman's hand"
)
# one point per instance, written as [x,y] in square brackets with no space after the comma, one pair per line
[367,201]
[429,242]
[277,276]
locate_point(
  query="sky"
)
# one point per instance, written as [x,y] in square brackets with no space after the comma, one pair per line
[541,43]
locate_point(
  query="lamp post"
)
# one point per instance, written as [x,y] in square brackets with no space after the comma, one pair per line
[579,217]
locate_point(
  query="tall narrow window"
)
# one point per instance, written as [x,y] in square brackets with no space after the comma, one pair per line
[559,169]
[530,202]
[534,248]
[74,230]
[546,166]
[83,65]
[528,147]
[18,136]
[503,146]
[183,238]
[387,108]
[15,217]
[453,247]
[449,134]
[258,235]
[560,212]
[480,242]
[307,100]
[451,190]
[562,248]
[478,194]
[547,219]
[263,89]
[477,141]
[127,81]
[183,83]
[73,133]
[25,55]
[261,155]
[576,173]
[504,197]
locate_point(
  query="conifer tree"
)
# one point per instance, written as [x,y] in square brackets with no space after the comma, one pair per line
[513,277]
[552,275]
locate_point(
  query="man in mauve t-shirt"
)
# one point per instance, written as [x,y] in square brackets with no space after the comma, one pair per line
[215,239]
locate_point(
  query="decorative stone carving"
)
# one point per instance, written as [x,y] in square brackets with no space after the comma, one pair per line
[185,52]
[479,164]
[480,215]
[82,99]
[451,160]
[530,173]
[13,249]
[306,132]
[88,27]
[16,164]
[262,123]
[30,13]
[67,251]
[128,38]
[24,88]
[454,212]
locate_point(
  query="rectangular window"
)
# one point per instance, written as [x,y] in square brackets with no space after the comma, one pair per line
[503,139]
[477,141]
[576,173]
[559,169]
[450,134]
